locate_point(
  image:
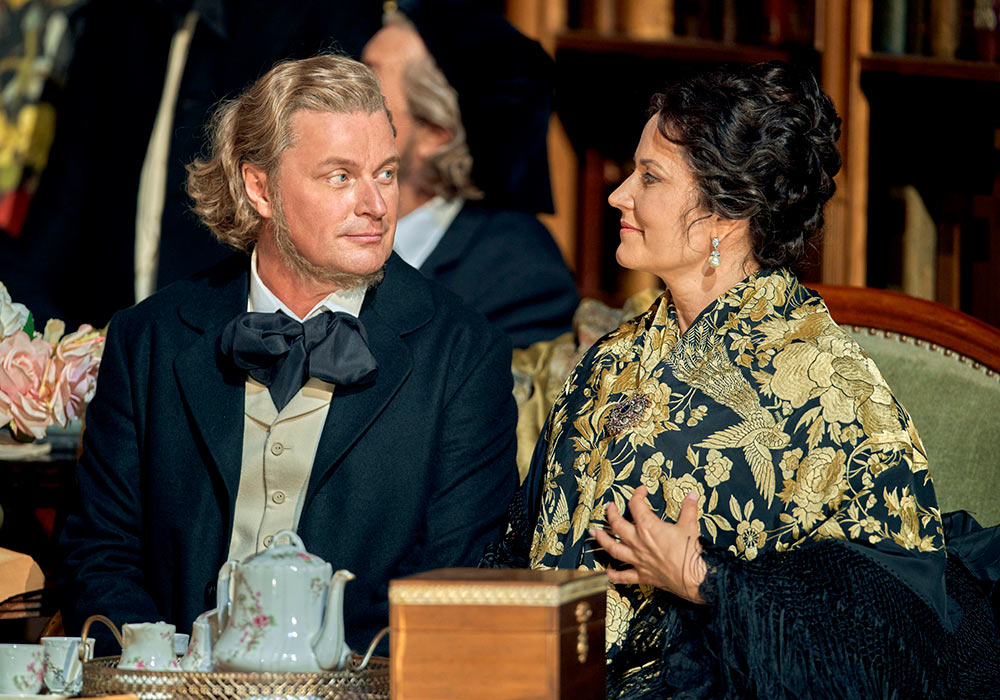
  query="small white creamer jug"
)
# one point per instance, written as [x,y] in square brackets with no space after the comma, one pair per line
[148,646]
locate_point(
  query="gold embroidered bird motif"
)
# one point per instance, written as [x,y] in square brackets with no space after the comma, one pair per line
[757,436]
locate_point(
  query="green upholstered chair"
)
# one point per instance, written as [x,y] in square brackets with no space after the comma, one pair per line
[944,367]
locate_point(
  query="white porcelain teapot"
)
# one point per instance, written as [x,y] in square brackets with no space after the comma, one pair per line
[282,612]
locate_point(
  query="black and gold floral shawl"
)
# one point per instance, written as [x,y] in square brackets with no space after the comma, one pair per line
[764,406]
[827,568]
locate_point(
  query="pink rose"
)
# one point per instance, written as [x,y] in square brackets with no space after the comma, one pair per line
[72,377]
[23,364]
[262,620]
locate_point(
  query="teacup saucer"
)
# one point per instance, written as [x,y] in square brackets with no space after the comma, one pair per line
[21,696]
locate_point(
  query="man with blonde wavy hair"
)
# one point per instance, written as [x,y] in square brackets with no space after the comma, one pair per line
[468,223]
[312,382]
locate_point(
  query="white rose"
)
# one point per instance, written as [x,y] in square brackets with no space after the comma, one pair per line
[12,316]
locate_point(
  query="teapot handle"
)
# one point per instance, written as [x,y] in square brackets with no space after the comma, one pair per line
[293,539]
[223,593]
[105,621]
[371,649]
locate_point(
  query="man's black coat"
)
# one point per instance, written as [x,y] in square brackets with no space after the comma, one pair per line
[413,472]
[505,265]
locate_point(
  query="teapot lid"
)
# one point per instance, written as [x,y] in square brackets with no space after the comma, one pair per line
[278,554]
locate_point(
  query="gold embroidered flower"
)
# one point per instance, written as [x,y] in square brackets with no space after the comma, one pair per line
[717,468]
[618,615]
[820,481]
[762,294]
[676,488]
[789,463]
[749,538]
[791,381]
[652,472]
[851,434]
[877,464]
[870,524]
[697,414]
[846,383]
[656,419]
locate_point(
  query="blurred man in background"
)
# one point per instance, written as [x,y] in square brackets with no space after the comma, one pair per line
[471,132]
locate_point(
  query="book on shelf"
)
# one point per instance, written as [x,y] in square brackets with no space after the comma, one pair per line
[755,22]
[596,15]
[917,37]
[647,19]
[889,33]
[789,21]
[772,22]
[945,27]
[986,25]
[920,245]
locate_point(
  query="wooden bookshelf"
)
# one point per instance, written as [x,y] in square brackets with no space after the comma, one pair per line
[930,67]
[905,122]
[934,129]
[677,48]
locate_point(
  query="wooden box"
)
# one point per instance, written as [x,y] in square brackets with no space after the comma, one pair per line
[497,634]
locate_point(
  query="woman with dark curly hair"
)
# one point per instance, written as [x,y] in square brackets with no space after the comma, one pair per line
[784,539]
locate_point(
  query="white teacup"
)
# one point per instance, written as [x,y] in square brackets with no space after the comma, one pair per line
[148,646]
[63,665]
[21,668]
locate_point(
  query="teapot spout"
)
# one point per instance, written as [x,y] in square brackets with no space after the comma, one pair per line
[332,652]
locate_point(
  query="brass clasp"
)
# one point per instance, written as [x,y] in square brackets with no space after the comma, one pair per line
[583,615]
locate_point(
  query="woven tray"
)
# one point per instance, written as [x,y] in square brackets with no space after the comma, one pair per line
[101,677]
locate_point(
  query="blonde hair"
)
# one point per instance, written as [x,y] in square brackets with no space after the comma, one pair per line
[256,128]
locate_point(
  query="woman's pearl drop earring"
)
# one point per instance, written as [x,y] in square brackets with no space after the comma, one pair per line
[713,259]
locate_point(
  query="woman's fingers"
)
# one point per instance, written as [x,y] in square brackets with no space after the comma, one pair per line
[622,528]
[626,576]
[660,552]
[688,517]
[638,508]
[619,551]
[609,544]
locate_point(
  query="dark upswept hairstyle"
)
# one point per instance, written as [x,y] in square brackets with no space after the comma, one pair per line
[761,142]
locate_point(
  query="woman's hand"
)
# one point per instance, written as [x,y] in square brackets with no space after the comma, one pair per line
[667,555]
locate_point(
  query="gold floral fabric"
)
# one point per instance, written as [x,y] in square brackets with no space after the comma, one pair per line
[764,406]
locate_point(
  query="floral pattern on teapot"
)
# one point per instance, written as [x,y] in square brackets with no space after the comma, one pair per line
[255,620]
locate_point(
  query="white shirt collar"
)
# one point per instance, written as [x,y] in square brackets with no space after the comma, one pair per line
[419,232]
[264,300]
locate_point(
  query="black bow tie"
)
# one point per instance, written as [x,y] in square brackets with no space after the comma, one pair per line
[281,353]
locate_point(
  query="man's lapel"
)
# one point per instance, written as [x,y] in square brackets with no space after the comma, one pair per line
[401,304]
[213,389]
